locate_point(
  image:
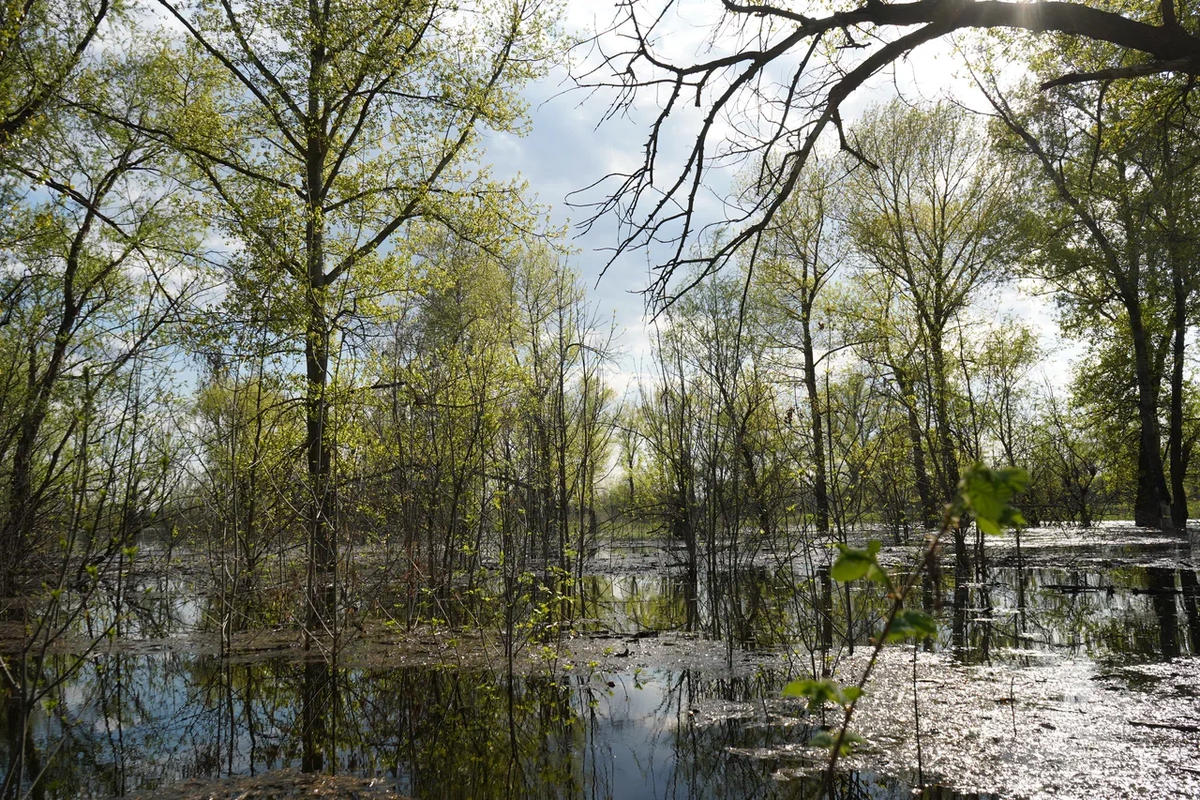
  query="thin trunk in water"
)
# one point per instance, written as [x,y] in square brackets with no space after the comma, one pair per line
[820,488]
[924,489]
[1179,506]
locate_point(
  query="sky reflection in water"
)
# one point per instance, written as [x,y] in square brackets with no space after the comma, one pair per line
[1074,633]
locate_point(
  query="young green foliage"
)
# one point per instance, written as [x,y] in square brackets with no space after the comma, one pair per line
[984,494]
[329,138]
[911,623]
[853,563]
[821,692]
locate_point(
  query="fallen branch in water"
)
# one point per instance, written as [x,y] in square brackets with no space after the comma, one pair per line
[1170,726]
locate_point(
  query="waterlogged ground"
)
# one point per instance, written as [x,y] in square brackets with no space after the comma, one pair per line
[1063,668]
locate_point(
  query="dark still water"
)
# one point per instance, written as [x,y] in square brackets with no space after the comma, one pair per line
[153,720]
[1066,670]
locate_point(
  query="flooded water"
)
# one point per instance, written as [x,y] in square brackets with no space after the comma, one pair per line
[1063,668]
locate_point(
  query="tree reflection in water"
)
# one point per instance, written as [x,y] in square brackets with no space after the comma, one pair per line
[149,720]
[132,721]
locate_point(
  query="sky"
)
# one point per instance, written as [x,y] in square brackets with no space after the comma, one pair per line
[570,147]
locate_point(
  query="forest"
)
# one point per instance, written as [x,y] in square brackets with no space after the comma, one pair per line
[328,468]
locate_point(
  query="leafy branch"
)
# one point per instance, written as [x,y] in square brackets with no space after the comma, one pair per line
[983,496]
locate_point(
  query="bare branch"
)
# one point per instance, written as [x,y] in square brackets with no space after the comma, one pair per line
[1117,73]
[650,212]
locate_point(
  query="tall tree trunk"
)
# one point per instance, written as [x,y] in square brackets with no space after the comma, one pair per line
[946,451]
[820,488]
[1152,506]
[1179,506]
[924,489]
[948,470]
[561,401]
[322,538]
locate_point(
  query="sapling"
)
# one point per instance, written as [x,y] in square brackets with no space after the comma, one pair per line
[983,496]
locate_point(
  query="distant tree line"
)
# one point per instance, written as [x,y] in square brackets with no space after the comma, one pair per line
[261,293]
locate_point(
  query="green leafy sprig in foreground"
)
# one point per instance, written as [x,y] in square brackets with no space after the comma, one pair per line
[984,496]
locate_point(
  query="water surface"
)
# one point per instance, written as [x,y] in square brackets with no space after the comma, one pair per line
[1066,669]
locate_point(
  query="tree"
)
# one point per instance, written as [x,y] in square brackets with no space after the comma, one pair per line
[889,341]
[85,286]
[1117,239]
[667,424]
[247,460]
[96,258]
[718,477]
[429,479]
[42,43]
[323,132]
[803,249]
[781,80]
[1072,464]
[488,426]
[934,217]
[1000,366]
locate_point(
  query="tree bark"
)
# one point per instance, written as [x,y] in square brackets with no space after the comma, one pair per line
[1152,508]
[1179,505]
[322,541]
[924,489]
[941,402]
[820,487]
[322,538]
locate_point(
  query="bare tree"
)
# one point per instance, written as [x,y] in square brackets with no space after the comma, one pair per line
[780,79]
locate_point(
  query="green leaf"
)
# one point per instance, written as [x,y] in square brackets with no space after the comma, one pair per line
[799,688]
[877,574]
[911,623]
[817,692]
[851,564]
[821,692]
[1012,517]
[984,494]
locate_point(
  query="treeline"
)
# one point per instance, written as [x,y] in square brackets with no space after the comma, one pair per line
[861,358]
[262,294]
